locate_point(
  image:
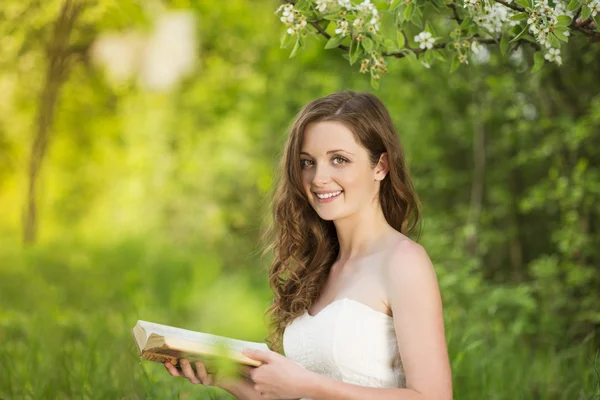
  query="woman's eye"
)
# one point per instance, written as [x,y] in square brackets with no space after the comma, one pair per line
[303,163]
[342,160]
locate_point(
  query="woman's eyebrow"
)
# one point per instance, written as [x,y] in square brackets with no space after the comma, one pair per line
[329,152]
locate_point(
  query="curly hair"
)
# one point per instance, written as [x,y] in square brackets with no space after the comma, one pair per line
[305,246]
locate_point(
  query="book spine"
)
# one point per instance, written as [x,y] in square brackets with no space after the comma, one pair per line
[161,358]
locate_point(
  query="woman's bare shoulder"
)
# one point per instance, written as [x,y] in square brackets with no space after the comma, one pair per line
[401,244]
[403,251]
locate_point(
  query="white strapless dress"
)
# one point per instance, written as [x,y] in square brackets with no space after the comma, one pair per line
[347,341]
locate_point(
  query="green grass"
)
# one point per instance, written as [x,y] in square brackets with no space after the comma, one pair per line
[66,311]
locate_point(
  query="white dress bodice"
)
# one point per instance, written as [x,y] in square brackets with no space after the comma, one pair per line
[347,341]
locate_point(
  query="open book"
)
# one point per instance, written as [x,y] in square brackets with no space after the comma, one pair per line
[160,343]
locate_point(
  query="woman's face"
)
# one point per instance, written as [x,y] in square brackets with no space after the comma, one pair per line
[333,164]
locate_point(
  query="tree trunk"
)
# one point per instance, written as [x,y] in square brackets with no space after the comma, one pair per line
[56,72]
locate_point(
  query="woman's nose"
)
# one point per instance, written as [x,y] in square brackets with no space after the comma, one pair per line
[321,177]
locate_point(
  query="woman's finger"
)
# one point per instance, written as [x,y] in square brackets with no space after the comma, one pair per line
[202,374]
[171,368]
[245,371]
[186,368]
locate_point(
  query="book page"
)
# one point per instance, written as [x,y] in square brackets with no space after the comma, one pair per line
[199,337]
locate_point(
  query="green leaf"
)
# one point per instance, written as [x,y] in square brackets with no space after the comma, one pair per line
[387,24]
[585,13]
[331,27]
[529,38]
[301,5]
[504,43]
[429,57]
[520,35]
[515,30]
[524,3]
[334,41]
[374,83]
[401,40]
[354,51]
[563,20]
[538,61]
[394,5]
[296,47]
[561,35]
[438,4]
[286,40]
[429,28]
[466,23]
[367,44]
[408,12]
[439,55]
[519,17]
[455,63]
[574,5]
[410,55]
[596,20]
[554,40]
[416,19]
[389,44]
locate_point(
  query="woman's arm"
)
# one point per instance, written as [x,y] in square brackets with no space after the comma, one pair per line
[242,389]
[324,388]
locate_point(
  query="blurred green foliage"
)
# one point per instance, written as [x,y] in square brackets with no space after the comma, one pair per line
[151,203]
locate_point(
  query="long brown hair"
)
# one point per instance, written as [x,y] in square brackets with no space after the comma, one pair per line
[304,245]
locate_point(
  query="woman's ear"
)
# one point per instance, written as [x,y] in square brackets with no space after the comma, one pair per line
[382,167]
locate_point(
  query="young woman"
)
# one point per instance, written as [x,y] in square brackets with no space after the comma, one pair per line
[357,309]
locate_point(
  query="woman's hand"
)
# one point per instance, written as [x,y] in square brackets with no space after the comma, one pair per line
[278,377]
[201,376]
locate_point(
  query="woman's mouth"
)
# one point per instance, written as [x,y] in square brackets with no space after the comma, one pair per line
[327,197]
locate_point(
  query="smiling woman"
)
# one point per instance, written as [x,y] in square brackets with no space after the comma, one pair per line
[357,308]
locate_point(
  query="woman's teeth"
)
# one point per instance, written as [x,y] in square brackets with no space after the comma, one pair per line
[328,195]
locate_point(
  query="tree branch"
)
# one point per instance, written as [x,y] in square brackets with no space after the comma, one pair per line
[455,12]
[583,27]
[325,34]
[511,6]
[577,14]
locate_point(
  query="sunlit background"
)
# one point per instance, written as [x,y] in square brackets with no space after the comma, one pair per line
[138,147]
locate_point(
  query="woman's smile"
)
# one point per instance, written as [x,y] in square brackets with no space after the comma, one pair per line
[328,197]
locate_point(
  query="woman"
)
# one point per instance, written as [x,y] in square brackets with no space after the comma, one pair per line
[357,308]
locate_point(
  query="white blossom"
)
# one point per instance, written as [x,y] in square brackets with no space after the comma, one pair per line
[481,55]
[553,54]
[345,3]
[291,17]
[494,17]
[343,28]
[322,5]
[366,7]
[594,6]
[287,13]
[425,40]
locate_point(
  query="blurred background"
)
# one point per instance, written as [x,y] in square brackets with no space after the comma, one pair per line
[138,146]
